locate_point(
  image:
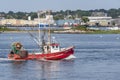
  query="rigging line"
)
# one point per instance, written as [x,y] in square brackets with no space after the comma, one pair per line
[32,34]
[34,38]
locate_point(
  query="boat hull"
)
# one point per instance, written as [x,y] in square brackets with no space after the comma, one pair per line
[49,56]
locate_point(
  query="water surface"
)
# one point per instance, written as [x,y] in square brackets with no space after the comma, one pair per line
[98,58]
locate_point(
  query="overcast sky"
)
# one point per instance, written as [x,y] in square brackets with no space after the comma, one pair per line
[56,5]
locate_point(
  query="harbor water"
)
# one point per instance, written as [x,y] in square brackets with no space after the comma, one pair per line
[97,58]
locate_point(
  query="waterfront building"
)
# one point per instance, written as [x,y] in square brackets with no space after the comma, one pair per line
[45,17]
[48,19]
[18,22]
[103,21]
[99,18]
[68,22]
[116,22]
[2,16]
[98,14]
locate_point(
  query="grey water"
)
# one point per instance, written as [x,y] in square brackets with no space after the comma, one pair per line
[97,58]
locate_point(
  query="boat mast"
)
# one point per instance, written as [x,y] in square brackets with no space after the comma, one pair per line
[49,32]
[41,37]
[39,26]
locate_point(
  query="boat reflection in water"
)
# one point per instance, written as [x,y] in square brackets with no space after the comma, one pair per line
[35,70]
[49,70]
[55,69]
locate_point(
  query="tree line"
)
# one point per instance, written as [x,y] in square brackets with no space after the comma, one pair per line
[114,13]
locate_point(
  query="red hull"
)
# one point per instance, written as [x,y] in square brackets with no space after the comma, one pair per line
[49,56]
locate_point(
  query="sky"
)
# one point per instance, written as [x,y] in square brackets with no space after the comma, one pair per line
[56,5]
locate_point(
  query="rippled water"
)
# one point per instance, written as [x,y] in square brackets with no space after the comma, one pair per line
[98,58]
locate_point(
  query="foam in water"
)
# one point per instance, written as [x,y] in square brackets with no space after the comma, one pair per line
[70,57]
[7,59]
[4,59]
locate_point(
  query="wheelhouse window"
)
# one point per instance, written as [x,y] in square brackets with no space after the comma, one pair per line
[56,46]
[53,47]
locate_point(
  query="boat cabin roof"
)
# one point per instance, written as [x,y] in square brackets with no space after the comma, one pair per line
[54,44]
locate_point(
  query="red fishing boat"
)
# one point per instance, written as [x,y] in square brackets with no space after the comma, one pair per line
[50,49]
[55,55]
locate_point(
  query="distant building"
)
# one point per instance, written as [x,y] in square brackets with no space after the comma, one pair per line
[68,22]
[29,18]
[96,14]
[17,22]
[2,16]
[116,22]
[47,19]
[99,18]
[20,22]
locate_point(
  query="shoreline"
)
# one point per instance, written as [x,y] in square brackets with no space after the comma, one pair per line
[88,32]
[17,31]
[70,31]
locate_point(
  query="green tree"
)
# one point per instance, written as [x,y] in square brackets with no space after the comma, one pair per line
[33,15]
[85,19]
